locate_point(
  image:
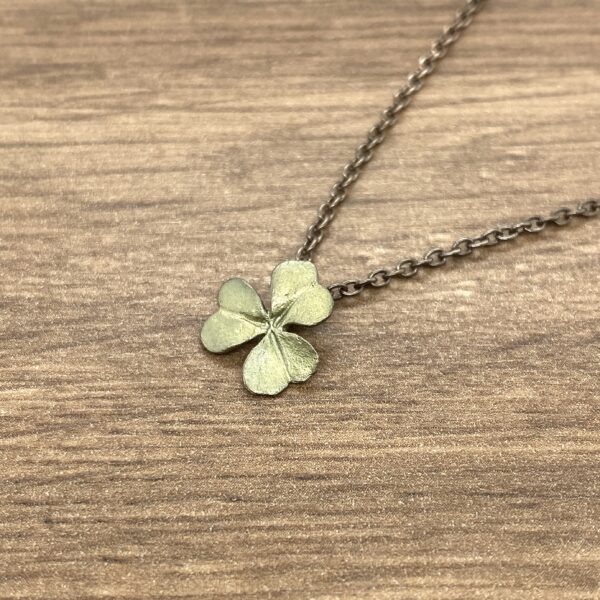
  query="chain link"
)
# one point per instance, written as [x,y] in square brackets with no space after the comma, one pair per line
[376,135]
[436,257]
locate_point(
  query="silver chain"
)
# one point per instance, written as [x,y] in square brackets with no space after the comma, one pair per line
[436,257]
[376,135]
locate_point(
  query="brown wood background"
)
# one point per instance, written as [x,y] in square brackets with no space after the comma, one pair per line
[448,447]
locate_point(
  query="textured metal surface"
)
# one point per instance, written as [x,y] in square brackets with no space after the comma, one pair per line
[280,357]
[436,257]
[240,318]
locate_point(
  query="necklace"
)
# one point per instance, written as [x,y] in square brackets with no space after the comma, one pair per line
[297,298]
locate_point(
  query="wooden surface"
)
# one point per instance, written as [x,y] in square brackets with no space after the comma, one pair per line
[448,446]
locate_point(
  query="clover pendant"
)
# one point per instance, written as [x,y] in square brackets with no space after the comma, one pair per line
[281,357]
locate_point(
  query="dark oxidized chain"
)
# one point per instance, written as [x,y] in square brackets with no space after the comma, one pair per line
[364,152]
[436,257]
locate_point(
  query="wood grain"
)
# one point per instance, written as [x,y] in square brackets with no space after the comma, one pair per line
[448,447]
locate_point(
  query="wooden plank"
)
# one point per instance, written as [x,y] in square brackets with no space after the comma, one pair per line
[448,445]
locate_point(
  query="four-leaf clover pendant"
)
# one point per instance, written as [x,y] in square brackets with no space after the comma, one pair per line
[280,357]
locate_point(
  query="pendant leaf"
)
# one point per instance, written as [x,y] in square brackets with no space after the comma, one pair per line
[280,357]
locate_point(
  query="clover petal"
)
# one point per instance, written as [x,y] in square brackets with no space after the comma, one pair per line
[241,317]
[296,296]
[278,359]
